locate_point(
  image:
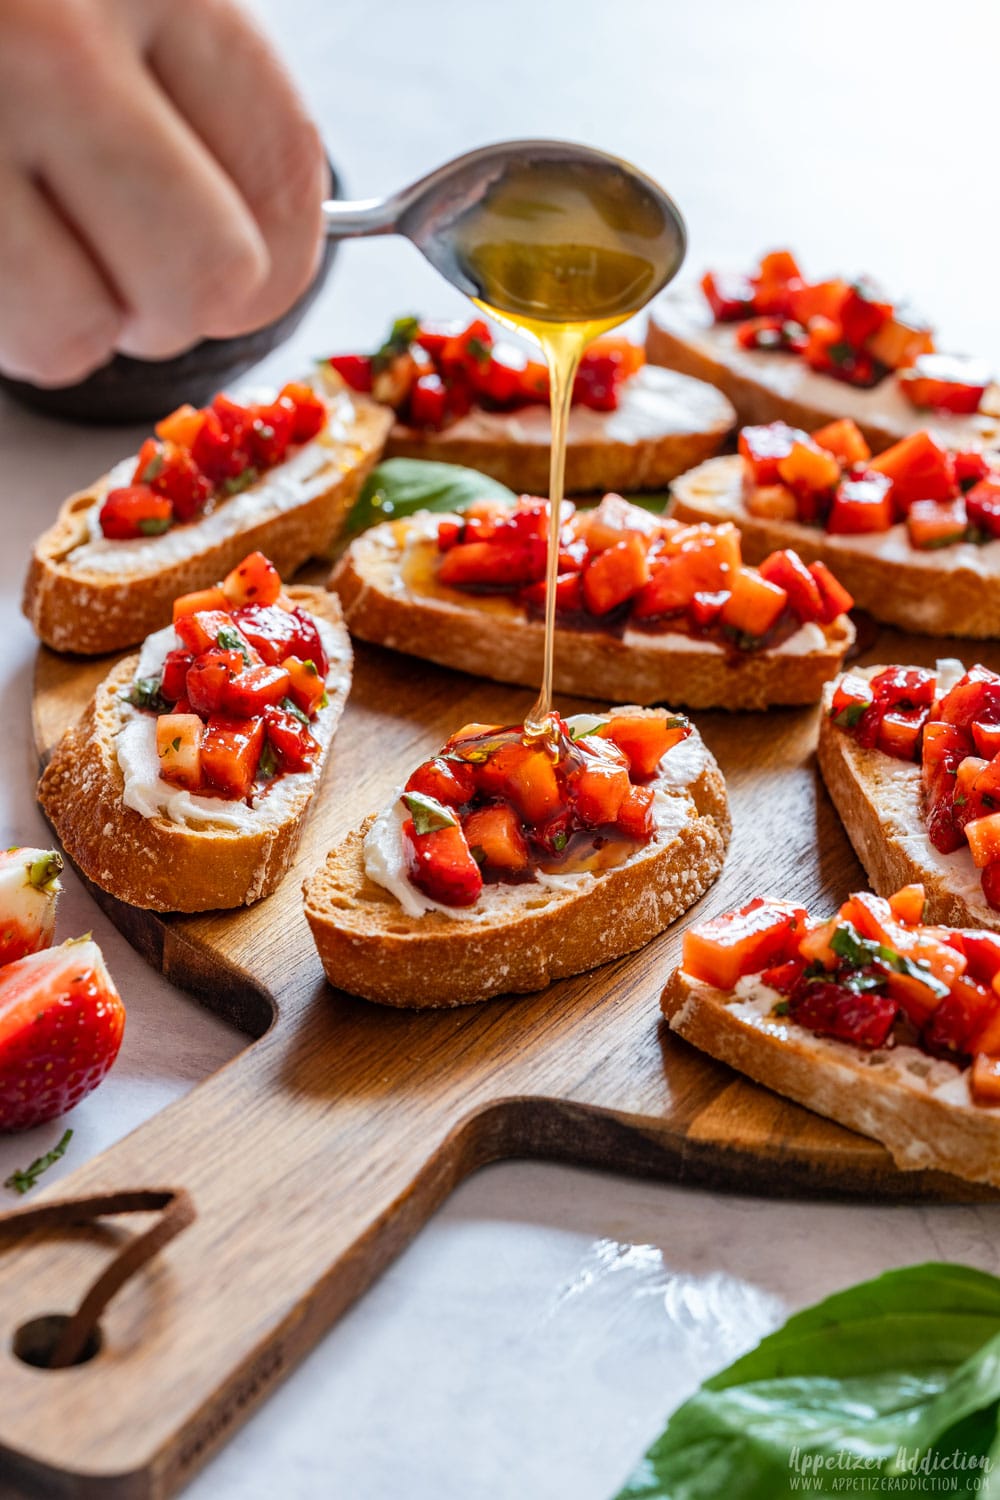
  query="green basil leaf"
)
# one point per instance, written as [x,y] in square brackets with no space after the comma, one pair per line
[849,716]
[154,525]
[582,724]
[238,482]
[229,639]
[400,486]
[897,1376]
[145,693]
[428,813]
[295,711]
[268,763]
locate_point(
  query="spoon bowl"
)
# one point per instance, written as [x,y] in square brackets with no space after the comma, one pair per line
[564,200]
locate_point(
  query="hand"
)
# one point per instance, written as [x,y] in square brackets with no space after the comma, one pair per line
[160,181]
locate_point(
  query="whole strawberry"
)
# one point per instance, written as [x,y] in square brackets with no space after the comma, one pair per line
[29,885]
[61,1023]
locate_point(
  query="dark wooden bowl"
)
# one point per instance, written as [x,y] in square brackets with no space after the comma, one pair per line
[137,390]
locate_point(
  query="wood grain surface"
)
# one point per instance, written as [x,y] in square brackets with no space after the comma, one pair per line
[318,1153]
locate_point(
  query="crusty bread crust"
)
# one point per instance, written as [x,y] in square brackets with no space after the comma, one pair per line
[766,387]
[371,947]
[514,450]
[495,638]
[880,802]
[864,1091]
[95,612]
[946,591]
[155,863]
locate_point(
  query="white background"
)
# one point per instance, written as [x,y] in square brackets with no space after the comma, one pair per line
[536,1335]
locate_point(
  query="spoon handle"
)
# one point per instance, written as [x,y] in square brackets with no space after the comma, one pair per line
[345,219]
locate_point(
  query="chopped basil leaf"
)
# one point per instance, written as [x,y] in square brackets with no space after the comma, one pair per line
[237,482]
[428,813]
[583,724]
[480,352]
[44,872]
[229,639]
[851,715]
[268,763]
[860,953]
[841,353]
[781,1009]
[960,800]
[175,743]
[478,853]
[145,693]
[559,842]
[401,336]
[294,710]
[676,721]
[155,525]
[23,1180]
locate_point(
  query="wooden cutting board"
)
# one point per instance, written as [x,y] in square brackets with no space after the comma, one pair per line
[318,1153]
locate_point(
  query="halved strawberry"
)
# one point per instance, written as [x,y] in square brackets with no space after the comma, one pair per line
[61,1023]
[29,885]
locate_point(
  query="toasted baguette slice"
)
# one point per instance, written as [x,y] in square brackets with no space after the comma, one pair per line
[919,1107]
[663,425]
[519,938]
[881,805]
[95,597]
[166,866]
[388,594]
[946,591]
[764,387]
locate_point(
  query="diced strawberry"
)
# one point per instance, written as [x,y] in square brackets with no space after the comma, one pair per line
[170,471]
[845,440]
[862,313]
[669,591]
[959,1017]
[294,745]
[448,534]
[763,447]
[976,696]
[569,594]
[772,502]
[789,572]
[277,633]
[644,738]
[821,299]
[247,695]
[983,835]
[970,466]
[830,1009]
[134,511]
[452,782]
[178,748]
[905,687]
[936,523]
[441,865]
[175,669]
[494,833]
[615,575]
[982,504]
[705,609]
[986,737]
[758,936]
[899,732]
[613,521]
[200,631]
[908,903]
[635,812]
[836,600]
[754,605]
[271,433]
[218,450]
[209,678]
[920,469]
[525,776]
[984,1080]
[853,697]
[946,382]
[982,950]
[61,1023]
[306,687]
[29,886]
[729,296]
[809,468]
[230,753]
[900,341]
[495,564]
[355,370]
[784,977]
[181,426]
[599,788]
[202,601]
[990,882]
[861,504]
[253,581]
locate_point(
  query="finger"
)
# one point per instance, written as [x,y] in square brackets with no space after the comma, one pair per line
[58,318]
[258,129]
[164,220]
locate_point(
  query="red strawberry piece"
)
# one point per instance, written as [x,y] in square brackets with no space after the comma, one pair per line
[29,885]
[61,1023]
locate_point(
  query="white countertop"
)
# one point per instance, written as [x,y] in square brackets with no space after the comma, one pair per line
[535,1336]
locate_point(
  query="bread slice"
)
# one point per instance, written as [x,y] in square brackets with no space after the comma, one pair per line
[166,866]
[519,938]
[881,805]
[91,598]
[766,386]
[945,591]
[389,596]
[919,1107]
[664,423]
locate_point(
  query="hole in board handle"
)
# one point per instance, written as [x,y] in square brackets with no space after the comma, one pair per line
[36,1341]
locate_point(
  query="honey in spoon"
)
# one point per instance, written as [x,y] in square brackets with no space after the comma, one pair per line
[563,252]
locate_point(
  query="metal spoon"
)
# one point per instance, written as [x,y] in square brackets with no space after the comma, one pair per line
[428,211]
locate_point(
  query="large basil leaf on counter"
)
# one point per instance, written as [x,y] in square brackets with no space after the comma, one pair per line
[399,486]
[898,1372]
